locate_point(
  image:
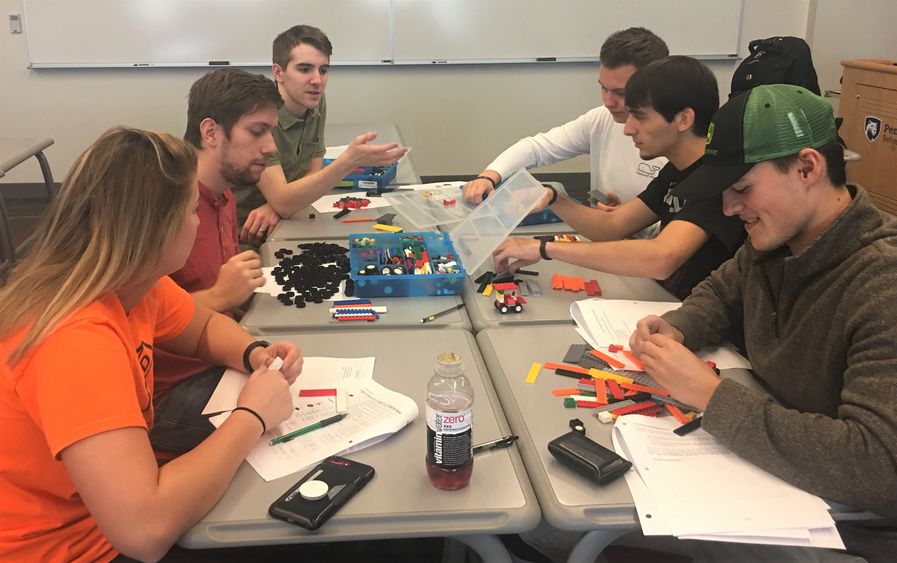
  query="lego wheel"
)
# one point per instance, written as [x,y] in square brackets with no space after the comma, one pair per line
[503,309]
[518,308]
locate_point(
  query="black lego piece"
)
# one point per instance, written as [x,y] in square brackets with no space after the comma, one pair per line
[386,219]
[527,272]
[315,273]
[342,212]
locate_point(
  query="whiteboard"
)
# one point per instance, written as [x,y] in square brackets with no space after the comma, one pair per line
[146,33]
[474,31]
[110,33]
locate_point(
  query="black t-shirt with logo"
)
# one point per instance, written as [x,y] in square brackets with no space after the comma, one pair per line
[726,233]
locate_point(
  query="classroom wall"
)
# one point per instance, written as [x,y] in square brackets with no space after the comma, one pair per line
[456,118]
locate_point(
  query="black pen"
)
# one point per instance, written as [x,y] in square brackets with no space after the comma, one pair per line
[690,426]
[435,316]
[502,442]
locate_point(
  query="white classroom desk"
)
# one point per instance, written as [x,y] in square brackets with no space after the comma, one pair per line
[553,307]
[569,501]
[399,502]
[323,226]
[266,315]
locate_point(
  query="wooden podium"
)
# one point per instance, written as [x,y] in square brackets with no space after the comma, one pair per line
[869,108]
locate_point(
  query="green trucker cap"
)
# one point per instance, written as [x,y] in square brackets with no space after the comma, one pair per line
[764,123]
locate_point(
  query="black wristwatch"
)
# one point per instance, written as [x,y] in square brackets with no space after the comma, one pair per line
[542,252]
[252,346]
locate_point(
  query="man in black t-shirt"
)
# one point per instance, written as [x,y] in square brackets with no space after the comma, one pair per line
[670,104]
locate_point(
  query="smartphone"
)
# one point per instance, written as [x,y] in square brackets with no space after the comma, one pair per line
[317,496]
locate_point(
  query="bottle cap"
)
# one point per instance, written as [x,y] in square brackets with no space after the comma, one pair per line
[449,364]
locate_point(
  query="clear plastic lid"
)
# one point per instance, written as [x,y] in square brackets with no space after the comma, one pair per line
[493,220]
[428,205]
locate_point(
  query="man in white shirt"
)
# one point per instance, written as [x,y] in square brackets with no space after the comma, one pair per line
[618,174]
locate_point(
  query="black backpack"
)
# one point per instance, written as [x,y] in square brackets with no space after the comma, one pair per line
[776,60]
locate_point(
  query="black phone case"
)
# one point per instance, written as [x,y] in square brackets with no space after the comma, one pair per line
[588,457]
[344,477]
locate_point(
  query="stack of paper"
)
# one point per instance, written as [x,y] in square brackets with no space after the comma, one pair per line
[692,487]
[603,322]
[375,413]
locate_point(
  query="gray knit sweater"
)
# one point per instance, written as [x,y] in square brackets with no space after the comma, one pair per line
[820,330]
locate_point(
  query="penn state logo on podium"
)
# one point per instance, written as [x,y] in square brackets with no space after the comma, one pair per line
[872,128]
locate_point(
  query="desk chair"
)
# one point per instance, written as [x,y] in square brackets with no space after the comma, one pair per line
[21,150]
[7,248]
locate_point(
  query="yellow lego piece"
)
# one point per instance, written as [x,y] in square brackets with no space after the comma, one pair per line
[388,228]
[599,374]
[488,291]
[533,372]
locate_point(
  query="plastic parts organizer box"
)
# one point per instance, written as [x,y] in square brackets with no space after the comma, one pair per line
[382,265]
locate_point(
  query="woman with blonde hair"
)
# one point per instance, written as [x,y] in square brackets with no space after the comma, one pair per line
[79,318]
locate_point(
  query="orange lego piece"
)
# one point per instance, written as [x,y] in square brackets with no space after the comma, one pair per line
[676,412]
[600,391]
[633,359]
[612,362]
[576,369]
[557,282]
[565,392]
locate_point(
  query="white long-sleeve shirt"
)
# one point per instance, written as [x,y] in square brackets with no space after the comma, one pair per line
[615,165]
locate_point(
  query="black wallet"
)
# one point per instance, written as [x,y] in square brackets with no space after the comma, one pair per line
[587,457]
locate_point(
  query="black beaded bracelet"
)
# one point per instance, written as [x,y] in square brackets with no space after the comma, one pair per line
[542,252]
[491,181]
[255,414]
[249,350]
[554,196]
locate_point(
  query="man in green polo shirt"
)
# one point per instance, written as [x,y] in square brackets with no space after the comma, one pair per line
[296,176]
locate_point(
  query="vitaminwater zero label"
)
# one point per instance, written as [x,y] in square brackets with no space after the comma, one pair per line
[449,437]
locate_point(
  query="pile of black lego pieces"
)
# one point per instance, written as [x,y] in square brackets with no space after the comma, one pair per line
[313,275]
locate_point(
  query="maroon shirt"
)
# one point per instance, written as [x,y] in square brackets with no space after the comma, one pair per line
[216,242]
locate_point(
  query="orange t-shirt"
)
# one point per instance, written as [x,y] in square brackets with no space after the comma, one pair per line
[94,373]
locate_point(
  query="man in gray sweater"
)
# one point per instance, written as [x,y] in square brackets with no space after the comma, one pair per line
[811,297]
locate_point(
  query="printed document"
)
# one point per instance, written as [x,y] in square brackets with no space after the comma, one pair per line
[375,413]
[693,487]
[603,322]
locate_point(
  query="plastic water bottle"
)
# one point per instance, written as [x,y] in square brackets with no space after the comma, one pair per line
[449,424]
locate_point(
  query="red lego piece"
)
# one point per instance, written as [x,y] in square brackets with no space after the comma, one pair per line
[639,408]
[615,390]
[614,348]
[592,288]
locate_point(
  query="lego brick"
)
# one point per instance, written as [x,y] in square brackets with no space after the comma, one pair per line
[575,353]
[533,373]
[613,362]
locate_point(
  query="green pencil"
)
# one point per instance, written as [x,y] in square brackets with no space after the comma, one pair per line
[306,429]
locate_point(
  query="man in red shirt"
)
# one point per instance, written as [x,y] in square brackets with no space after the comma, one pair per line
[230,117]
